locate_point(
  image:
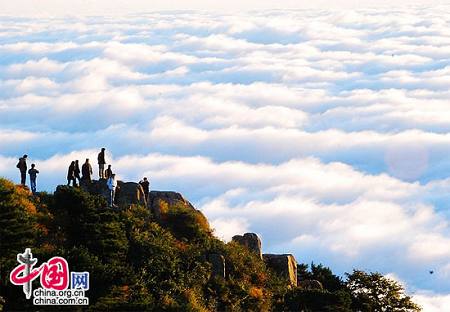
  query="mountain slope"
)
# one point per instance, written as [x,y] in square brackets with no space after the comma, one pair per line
[160,259]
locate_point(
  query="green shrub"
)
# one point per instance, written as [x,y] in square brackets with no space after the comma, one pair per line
[187,223]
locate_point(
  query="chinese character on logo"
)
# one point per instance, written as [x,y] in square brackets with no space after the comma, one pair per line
[27,262]
[80,280]
[54,273]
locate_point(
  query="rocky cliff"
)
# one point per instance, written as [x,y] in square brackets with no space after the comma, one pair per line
[160,202]
[131,193]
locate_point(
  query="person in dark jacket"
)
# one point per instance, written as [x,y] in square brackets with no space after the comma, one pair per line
[71,174]
[108,172]
[33,173]
[101,164]
[86,171]
[22,166]
[77,171]
[145,187]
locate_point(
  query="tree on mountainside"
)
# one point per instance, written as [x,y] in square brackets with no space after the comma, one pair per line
[18,230]
[373,292]
[361,291]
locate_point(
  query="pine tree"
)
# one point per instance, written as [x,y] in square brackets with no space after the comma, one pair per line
[17,232]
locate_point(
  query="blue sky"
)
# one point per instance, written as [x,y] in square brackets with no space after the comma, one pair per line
[324,131]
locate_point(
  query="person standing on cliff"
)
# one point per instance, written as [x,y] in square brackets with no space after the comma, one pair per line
[33,173]
[77,171]
[71,174]
[86,171]
[108,172]
[146,188]
[101,164]
[22,166]
[112,185]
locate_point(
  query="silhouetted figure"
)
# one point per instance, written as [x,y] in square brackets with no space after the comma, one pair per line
[71,174]
[108,172]
[86,171]
[77,171]
[22,165]
[101,163]
[33,173]
[145,187]
[112,185]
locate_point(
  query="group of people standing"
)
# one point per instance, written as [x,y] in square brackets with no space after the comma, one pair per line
[75,175]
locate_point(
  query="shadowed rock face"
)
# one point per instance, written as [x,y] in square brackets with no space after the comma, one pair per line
[127,193]
[218,264]
[251,241]
[130,193]
[283,265]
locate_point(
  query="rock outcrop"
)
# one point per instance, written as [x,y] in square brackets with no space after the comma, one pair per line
[284,265]
[160,201]
[128,193]
[131,193]
[218,265]
[251,241]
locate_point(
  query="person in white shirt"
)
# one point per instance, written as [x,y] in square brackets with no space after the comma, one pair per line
[112,185]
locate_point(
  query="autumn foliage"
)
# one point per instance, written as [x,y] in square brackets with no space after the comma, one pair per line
[138,262]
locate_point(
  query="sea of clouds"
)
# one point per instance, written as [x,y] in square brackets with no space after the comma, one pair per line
[325,132]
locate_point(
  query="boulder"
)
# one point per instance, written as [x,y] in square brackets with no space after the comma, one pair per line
[310,284]
[251,241]
[128,193]
[218,264]
[160,201]
[95,187]
[284,265]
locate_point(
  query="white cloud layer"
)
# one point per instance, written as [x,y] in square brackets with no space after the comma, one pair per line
[326,132]
[119,7]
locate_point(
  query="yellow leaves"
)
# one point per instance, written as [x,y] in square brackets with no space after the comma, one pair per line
[181,245]
[194,301]
[28,206]
[41,228]
[256,292]
[18,196]
[168,301]
[163,207]
[202,221]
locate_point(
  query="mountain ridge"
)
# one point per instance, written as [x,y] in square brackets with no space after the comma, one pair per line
[163,256]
